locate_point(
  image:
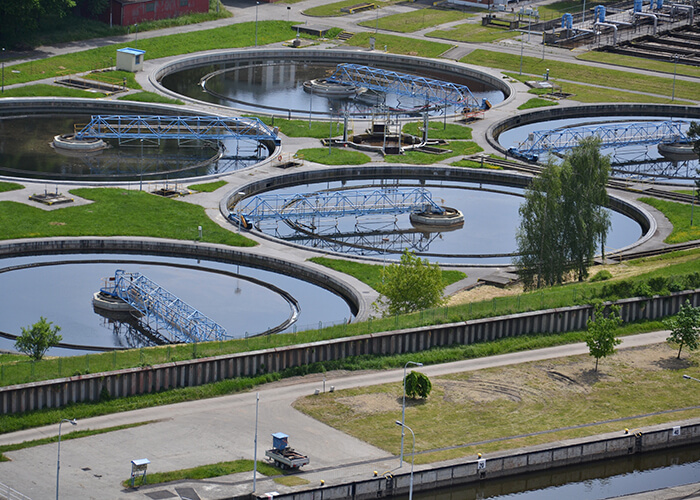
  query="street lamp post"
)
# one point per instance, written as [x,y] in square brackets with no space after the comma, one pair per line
[288,9]
[256,23]
[255,452]
[673,92]
[58,462]
[413,454]
[691,378]
[330,131]
[136,36]
[403,405]
[3,70]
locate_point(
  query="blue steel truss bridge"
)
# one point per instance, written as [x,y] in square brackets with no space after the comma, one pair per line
[357,202]
[615,135]
[184,129]
[171,317]
[431,92]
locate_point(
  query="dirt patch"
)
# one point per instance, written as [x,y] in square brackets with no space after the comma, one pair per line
[484,292]
[369,404]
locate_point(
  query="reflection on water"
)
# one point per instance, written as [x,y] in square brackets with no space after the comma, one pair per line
[599,480]
[634,161]
[26,151]
[491,220]
[278,87]
[63,294]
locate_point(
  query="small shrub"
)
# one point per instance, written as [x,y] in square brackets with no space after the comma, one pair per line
[602,275]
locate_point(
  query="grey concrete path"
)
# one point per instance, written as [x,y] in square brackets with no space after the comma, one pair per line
[220,429]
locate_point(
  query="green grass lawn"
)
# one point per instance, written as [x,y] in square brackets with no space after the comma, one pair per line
[116,212]
[679,215]
[205,472]
[209,187]
[585,74]
[115,78]
[150,97]
[304,128]
[409,22]
[9,186]
[337,156]
[537,102]
[438,130]
[233,36]
[454,148]
[507,404]
[640,62]
[46,90]
[475,33]
[333,9]
[400,45]
[371,274]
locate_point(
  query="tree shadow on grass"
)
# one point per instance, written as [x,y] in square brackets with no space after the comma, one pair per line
[675,364]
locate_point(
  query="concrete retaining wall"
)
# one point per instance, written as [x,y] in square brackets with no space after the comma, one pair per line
[526,460]
[142,380]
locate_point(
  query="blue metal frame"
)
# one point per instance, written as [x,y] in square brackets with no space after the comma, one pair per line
[611,135]
[182,321]
[336,204]
[433,92]
[213,128]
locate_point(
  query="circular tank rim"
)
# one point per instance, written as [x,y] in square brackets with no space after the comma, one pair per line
[28,106]
[434,172]
[393,61]
[586,111]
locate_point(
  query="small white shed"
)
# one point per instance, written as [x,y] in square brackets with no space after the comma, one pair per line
[129,59]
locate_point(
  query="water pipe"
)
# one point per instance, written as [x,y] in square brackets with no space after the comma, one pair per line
[646,14]
[685,7]
[608,25]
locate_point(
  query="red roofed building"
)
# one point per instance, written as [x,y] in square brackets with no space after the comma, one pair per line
[127,12]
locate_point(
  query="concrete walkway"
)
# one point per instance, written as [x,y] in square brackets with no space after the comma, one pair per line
[203,432]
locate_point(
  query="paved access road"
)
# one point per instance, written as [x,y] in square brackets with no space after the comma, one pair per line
[221,429]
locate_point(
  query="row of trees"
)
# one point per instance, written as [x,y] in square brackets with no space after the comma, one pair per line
[563,218]
[19,19]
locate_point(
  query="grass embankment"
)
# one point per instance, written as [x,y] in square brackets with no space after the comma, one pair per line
[556,9]
[408,22]
[474,33]
[116,212]
[46,90]
[233,36]
[208,187]
[334,9]
[629,279]
[592,76]
[400,45]
[337,156]
[679,215]
[505,407]
[371,274]
[640,63]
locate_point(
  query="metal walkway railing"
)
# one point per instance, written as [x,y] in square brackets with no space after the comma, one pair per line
[183,322]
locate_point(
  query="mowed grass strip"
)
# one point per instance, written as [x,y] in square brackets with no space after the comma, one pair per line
[335,9]
[205,472]
[518,400]
[585,74]
[454,148]
[117,212]
[680,215]
[439,130]
[640,63]
[475,33]
[336,156]
[9,186]
[401,45]
[408,22]
[46,90]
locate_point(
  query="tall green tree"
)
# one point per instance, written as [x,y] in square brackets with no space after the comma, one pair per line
[411,285]
[585,174]
[685,328]
[539,236]
[37,339]
[563,217]
[20,19]
[600,332]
